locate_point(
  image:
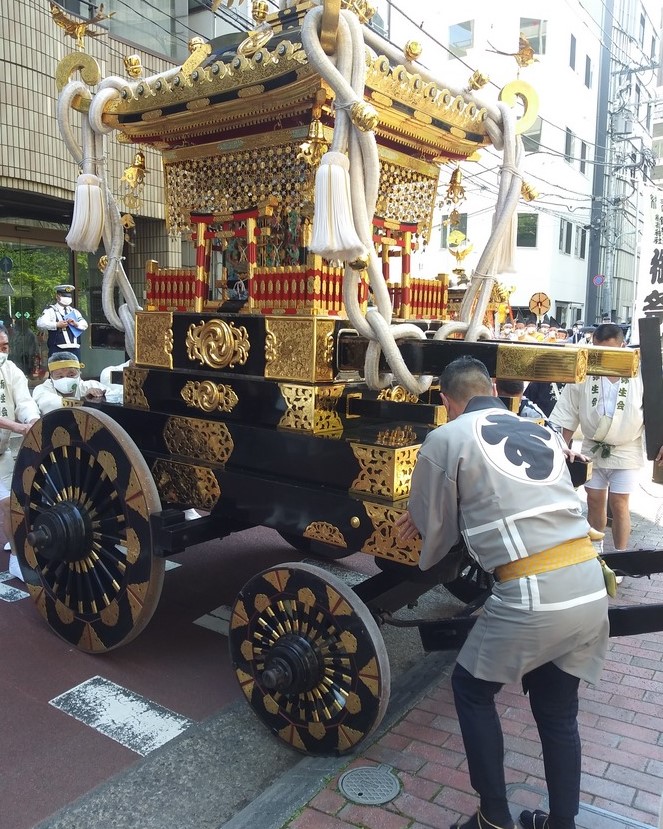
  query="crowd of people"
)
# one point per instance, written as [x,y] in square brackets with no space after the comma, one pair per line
[546,331]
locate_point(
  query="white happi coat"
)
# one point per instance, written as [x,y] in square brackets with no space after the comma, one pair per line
[581,404]
[48,398]
[16,403]
[501,482]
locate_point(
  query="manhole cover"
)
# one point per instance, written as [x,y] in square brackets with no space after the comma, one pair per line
[369,785]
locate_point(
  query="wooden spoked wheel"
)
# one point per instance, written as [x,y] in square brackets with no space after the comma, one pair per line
[81,500]
[310,658]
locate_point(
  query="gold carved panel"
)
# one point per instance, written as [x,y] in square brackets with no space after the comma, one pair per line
[218,344]
[209,396]
[385,541]
[311,408]
[384,471]
[545,363]
[133,380]
[179,483]
[613,362]
[202,439]
[154,338]
[328,533]
[299,349]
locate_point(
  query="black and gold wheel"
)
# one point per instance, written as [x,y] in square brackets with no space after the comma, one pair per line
[310,658]
[81,500]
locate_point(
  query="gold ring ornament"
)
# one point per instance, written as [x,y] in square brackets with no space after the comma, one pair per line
[524,92]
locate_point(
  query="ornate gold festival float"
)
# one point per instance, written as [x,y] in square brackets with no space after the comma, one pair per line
[287,379]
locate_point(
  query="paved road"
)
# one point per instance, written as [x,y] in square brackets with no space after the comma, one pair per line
[174,731]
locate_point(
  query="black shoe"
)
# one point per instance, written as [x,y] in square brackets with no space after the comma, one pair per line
[534,820]
[478,821]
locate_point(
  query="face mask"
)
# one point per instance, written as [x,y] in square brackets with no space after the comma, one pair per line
[65,300]
[3,358]
[66,385]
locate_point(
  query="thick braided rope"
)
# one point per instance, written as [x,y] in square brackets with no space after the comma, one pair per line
[92,160]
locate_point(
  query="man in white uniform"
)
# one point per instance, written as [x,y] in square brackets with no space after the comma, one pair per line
[64,323]
[501,482]
[610,415]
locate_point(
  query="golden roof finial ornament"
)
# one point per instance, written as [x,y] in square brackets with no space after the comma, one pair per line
[76,27]
[133,65]
[525,54]
[477,80]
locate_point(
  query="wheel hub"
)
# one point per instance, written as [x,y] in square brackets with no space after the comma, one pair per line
[292,666]
[64,532]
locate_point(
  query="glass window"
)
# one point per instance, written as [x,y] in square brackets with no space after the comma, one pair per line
[568,237]
[532,137]
[461,38]
[535,32]
[527,225]
[581,242]
[588,72]
[447,228]
[642,30]
[654,47]
[572,53]
[381,20]
[26,288]
[569,145]
[583,157]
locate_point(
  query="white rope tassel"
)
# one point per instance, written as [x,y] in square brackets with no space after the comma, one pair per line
[87,223]
[334,235]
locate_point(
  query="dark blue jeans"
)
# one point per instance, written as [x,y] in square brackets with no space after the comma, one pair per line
[553,697]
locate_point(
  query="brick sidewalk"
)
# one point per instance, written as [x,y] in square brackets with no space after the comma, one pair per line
[621,723]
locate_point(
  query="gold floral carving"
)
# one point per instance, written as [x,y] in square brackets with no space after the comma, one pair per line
[521,361]
[384,471]
[327,533]
[180,483]
[209,396]
[311,408]
[134,379]
[299,349]
[204,440]
[218,344]
[154,338]
[385,542]
[399,394]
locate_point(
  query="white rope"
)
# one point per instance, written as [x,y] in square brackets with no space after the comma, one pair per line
[92,158]
[376,325]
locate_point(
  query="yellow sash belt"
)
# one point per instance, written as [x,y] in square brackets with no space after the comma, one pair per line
[563,555]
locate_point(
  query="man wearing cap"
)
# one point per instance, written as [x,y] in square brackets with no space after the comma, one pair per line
[64,323]
[64,386]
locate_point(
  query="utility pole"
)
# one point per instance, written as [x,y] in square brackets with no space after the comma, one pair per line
[598,181]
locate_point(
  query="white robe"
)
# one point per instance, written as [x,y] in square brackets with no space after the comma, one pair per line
[581,404]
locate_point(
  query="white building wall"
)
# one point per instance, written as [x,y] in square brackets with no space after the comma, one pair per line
[564,101]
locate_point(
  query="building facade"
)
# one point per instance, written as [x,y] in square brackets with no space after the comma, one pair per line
[38,176]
